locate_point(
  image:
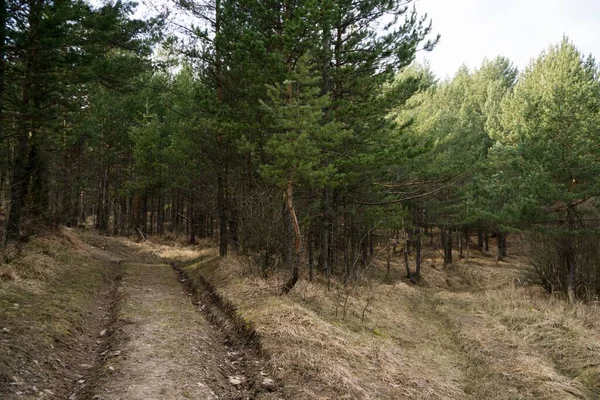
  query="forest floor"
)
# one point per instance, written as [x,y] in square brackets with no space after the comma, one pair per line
[84,316]
[140,333]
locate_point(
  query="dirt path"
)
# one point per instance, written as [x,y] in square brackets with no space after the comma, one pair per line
[493,357]
[160,344]
[167,349]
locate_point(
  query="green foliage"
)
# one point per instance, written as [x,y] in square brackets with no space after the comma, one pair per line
[516,152]
[452,122]
[300,138]
[549,125]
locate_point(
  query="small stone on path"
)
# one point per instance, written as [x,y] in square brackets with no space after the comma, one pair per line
[236,380]
[268,382]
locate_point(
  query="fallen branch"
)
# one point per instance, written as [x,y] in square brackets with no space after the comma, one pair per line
[142,234]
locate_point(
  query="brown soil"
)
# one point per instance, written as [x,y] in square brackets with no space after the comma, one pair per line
[166,349]
[110,319]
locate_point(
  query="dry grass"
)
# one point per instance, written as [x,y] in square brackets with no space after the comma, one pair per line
[476,330]
[170,247]
[321,346]
[491,340]
[48,314]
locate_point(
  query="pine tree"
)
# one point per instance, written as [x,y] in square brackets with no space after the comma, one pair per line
[295,148]
[58,49]
[549,130]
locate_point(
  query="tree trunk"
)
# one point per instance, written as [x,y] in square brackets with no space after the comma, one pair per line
[38,176]
[347,239]
[82,213]
[144,220]
[221,167]
[331,251]
[365,249]
[468,240]
[311,260]
[446,236]
[405,253]
[324,254]
[123,214]
[136,211]
[19,182]
[387,263]
[201,225]
[289,200]
[174,223]
[115,224]
[265,266]
[501,238]
[233,230]
[17,200]
[175,218]
[465,239]
[570,255]
[409,274]
[103,204]
[70,184]
[152,221]
[288,255]
[3,18]
[222,216]
[460,245]
[160,213]
[418,255]
[193,216]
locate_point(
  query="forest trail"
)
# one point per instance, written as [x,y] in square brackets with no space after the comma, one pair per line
[119,319]
[474,336]
[503,351]
[160,345]
[169,350]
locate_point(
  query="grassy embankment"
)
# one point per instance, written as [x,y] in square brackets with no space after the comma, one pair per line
[470,331]
[54,300]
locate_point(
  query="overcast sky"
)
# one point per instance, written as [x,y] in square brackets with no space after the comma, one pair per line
[517,29]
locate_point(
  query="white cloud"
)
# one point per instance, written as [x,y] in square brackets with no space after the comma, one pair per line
[472,30]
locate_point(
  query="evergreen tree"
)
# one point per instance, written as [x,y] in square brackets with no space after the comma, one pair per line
[295,148]
[58,49]
[549,128]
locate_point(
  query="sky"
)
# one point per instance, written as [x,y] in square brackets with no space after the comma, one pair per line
[518,29]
